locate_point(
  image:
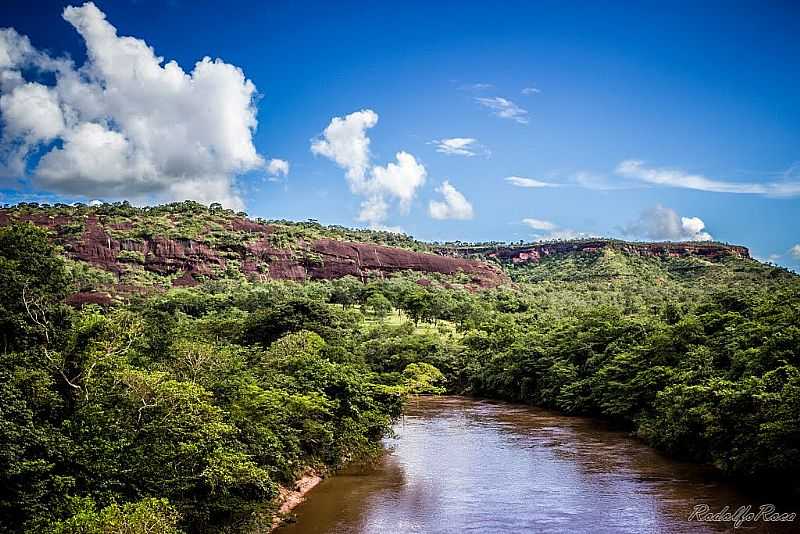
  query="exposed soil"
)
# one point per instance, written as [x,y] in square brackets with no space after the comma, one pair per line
[292,497]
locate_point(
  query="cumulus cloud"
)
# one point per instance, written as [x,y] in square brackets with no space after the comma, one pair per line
[374,210]
[31,112]
[519,181]
[400,179]
[458,146]
[664,224]
[563,234]
[527,91]
[539,224]
[454,205]
[125,123]
[16,53]
[345,142]
[549,231]
[97,160]
[278,167]
[636,169]
[504,108]
[795,252]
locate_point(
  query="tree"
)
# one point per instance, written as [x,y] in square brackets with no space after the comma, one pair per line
[416,304]
[346,291]
[423,378]
[33,283]
[379,305]
[148,516]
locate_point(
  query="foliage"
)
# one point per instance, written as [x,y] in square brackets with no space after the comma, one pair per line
[182,411]
[87,278]
[186,409]
[133,256]
[148,516]
[379,305]
[423,378]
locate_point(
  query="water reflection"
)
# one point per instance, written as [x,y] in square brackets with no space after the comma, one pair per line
[461,465]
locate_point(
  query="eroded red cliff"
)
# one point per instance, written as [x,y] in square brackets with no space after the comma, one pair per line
[188,261]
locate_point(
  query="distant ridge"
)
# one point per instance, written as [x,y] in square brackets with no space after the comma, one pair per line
[186,243]
[534,252]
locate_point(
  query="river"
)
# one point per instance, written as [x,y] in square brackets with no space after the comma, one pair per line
[464,465]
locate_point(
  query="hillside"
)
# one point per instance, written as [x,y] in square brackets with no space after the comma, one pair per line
[535,252]
[186,243]
[197,406]
[120,248]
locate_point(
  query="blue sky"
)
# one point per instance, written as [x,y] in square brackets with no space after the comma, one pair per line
[698,100]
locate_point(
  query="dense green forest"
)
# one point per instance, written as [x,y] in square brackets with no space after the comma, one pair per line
[184,410]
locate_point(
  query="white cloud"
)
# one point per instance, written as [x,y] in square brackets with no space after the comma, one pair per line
[16,53]
[519,181]
[345,142]
[278,167]
[795,252]
[476,86]
[504,108]
[129,124]
[454,206]
[31,111]
[677,178]
[530,91]
[373,210]
[457,146]
[603,182]
[94,159]
[15,49]
[400,179]
[563,234]
[552,231]
[539,224]
[664,224]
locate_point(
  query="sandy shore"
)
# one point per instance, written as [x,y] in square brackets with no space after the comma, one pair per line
[291,497]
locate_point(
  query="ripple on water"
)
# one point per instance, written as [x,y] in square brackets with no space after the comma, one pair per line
[461,465]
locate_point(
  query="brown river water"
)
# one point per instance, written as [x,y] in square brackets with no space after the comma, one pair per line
[464,465]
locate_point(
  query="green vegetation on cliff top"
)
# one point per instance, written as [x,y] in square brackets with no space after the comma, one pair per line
[214,225]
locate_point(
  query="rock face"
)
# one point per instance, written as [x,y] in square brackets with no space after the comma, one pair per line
[160,255]
[535,252]
[189,260]
[331,258]
[253,251]
[341,258]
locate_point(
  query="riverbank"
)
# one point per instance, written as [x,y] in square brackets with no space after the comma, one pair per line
[289,498]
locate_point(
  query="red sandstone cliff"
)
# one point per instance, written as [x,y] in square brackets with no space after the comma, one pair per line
[256,257]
